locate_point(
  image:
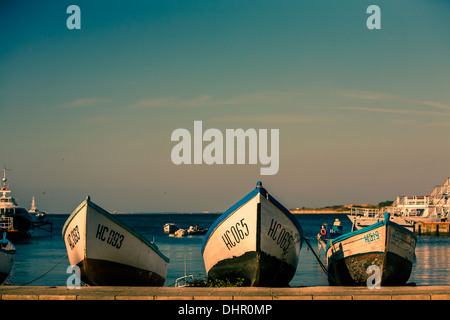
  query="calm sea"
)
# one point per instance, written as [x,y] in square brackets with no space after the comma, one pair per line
[41,254]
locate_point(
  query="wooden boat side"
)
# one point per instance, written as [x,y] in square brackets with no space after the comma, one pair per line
[386,245]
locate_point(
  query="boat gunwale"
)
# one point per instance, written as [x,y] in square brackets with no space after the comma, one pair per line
[376,225]
[8,251]
[107,215]
[244,201]
[225,216]
[386,222]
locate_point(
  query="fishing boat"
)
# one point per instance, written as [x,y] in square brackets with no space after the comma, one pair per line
[7,253]
[257,241]
[193,231]
[170,227]
[14,220]
[328,232]
[384,244]
[180,233]
[108,252]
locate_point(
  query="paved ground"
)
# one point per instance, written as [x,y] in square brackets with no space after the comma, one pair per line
[169,293]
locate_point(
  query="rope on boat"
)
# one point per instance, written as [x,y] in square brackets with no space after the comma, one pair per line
[318,259]
[45,272]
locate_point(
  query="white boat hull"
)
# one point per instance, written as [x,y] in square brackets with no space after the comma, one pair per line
[384,244]
[7,254]
[256,241]
[108,252]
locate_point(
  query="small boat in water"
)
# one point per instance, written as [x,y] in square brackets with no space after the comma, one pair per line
[328,232]
[108,252]
[170,227]
[7,253]
[193,231]
[257,240]
[385,244]
[180,233]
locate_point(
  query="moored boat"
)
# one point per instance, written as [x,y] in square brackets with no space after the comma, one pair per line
[181,233]
[7,253]
[385,244]
[14,220]
[257,240]
[328,232]
[108,252]
[192,231]
[170,227]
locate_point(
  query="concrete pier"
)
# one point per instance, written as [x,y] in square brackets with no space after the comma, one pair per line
[239,294]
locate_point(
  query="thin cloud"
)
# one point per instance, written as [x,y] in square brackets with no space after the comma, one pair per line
[265,97]
[397,111]
[85,102]
[432,104]
[367,95]
[438,124]
[100,119]
[272,119]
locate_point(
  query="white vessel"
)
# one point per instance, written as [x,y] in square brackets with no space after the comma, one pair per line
[407,210]
[108,252]
[362,218]
[7,253]
[257,240]
[14,220]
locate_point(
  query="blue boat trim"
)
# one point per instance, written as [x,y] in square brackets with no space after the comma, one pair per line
[227,213]
[376,225]
[283,209]
[244,200]
[8,251]
[348,235]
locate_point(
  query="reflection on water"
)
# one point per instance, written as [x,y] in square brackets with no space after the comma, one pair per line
[432,261]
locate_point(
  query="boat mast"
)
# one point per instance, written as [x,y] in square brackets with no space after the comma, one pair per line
[4,189]
[4,178]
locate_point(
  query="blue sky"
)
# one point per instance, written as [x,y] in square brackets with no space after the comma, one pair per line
[364,115]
